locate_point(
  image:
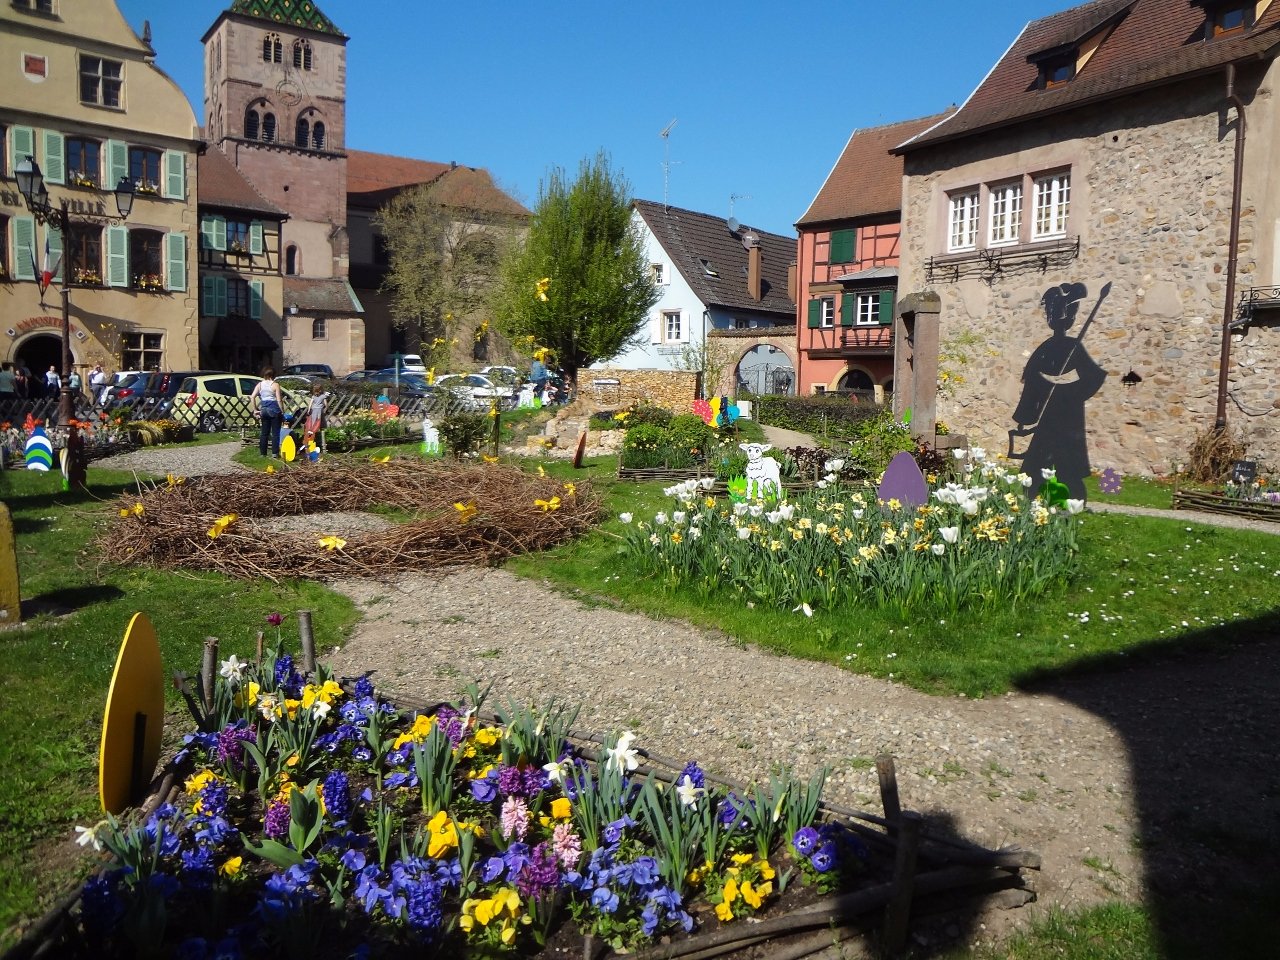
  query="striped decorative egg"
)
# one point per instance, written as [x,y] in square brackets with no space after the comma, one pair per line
[39,451]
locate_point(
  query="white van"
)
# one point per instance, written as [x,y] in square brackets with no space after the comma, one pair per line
[407,362]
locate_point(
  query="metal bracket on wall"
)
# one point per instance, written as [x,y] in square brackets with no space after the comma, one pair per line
[993,263]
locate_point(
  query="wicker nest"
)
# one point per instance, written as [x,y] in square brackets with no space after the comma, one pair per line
[459,514]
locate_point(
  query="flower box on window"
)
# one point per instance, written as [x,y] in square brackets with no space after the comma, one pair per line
[80,179]
[87,275]
[237,248]
[149,283]
[146,187]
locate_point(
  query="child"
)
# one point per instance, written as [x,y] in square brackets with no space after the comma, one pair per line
[314,431]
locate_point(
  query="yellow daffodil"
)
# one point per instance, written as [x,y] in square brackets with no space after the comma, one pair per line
[220,525]
[548,505]
[541,472]
[386,459]
[136,510]
[622,415]
[240,699]
[270,468]
[174,481]
[570,489]
[331,542]
[231,867]
[465,510]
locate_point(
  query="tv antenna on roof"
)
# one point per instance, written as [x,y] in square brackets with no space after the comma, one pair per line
[736,196]
[666,159]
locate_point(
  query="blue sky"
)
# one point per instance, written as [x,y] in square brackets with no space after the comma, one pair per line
[765,94]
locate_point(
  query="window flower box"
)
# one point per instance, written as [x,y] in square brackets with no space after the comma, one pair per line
[83,180]
[146,187]
[149,283]
[87,276]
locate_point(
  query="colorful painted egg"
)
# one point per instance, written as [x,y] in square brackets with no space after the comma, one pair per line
[39,451]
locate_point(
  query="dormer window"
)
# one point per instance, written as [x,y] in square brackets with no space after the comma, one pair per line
[1056,72]
[1228,19]
[707,269]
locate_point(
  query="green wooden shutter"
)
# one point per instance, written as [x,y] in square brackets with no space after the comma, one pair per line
[219,296]
[206,233]
[842,243]
[847,301]
[55,254]
[815,314]
[117,154]
[175,261]
[255,299]
[22,144]
[175,175]
[886,307]
[207,302]
[55,157]
[255,237]
[219,233]
[24,246]
[117,256]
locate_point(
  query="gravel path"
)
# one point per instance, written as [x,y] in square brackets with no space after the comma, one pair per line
[1087,773]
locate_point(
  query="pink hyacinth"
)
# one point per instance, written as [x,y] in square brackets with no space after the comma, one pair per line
[515,818]
[567,845]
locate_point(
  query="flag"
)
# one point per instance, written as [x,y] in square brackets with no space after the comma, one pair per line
[50,269]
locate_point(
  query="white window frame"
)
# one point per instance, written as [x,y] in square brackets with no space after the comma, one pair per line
[319,329]
[659,273]
[867,310]
[100,73]
[1004,213]
[962,220]
[673,327]
[828,312]
[1051,205]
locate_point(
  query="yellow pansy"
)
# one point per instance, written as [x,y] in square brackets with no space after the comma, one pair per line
[741,858]
[488,736]
[198,781]
[766,869]
[231,867]
[750,895]
[331,542]
[444,835]
[561,808]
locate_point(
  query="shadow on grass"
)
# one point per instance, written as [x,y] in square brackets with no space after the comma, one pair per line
[1199,717]
[58,603]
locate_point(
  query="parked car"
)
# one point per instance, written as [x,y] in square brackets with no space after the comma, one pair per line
[216,401]
[149,395]
[508,376]
[309,370]
[478,391]
[410,362]
[410,384]
[359,376]
[127,390]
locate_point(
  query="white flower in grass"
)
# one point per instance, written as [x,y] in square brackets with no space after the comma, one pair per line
[232,669]
[946,494]
[970,507]
[659,518]
[938,549]
[740,508]
[1075,506]
[706,483]
[695,532]
[688,793]
[1049,473]
[978,453]
[833,466]
[959,454]
[267,706]
[787,511]
[624,517]
[556,771]
[654,539]
[773,516]
[950,534]
[623,756]
[857,514]
[678,517]
[830,478]
[822,484]
[1024,479]
[756,510]
[744,533]
[803,608]
[88,836]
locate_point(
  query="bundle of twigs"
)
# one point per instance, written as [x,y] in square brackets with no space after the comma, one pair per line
[458,514]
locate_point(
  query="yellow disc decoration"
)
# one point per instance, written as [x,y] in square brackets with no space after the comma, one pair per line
[288,449]
[135,702]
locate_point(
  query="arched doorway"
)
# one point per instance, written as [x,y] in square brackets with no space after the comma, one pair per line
[766,369]
[38,354]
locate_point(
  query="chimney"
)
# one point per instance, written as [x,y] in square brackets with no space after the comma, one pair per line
[754,281]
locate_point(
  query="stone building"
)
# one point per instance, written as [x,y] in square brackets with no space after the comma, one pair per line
[275,105]
[846,266]
[1102,159]
[83,98]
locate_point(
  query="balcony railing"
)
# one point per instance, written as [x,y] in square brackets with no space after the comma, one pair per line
[993,263]
[1254,299]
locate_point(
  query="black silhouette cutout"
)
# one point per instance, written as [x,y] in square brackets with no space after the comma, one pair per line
[1057,381]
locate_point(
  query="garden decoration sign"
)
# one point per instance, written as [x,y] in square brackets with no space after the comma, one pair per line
[903,481]
[133,721]
[716,412]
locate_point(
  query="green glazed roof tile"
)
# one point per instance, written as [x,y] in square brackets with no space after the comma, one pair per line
[298,13]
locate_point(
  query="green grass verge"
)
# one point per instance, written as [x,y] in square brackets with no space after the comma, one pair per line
[58,665]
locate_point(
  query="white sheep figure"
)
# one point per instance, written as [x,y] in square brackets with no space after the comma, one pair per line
[762,471]
[430,436]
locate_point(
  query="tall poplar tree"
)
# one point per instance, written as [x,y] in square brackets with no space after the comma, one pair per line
[581,285]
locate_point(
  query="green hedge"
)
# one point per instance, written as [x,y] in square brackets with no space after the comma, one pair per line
[818,415]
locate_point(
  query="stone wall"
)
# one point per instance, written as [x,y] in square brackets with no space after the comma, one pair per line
[1151,180]
[673,390]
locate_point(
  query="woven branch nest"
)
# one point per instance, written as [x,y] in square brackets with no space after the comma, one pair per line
[173,529]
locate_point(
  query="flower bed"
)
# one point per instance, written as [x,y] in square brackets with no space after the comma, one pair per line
[1234,506]
[979,541]
[314,820]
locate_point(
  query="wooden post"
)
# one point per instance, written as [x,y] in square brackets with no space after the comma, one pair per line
[898,911]
[207,673]
[889,790]
[308,642]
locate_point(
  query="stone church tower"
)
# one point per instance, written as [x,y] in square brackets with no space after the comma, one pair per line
[275,105]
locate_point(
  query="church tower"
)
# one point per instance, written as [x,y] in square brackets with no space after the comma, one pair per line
[275,105]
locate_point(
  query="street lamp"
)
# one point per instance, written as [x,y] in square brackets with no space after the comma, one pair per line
[36,194]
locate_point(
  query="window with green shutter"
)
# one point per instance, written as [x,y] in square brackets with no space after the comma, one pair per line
[255,237]
[24,248]
[255,299]
[213,233]
[175,175]
[886,308]
[847,301]
[815,314]
[117,256]
[843,243]
[175,261]
[22,144]
[55,158]
[117,152]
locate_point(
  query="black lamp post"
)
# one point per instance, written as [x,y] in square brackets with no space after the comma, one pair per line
[36,194]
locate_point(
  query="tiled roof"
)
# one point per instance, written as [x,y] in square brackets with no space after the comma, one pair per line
[295,13]
[220,184]
[690,238]
[867,179]
[322,295]
[1155,42]
[871,273]
[374,178]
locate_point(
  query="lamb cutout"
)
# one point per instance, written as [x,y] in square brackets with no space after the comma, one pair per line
[430,436]
[762,471]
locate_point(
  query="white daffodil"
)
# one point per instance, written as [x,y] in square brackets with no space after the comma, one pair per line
[949,534]
[320,709]
[624,517]
[88,837]
[267,705]
[623,756]
[556,772]
[688,793]
[232,669]
[695,532]
[803,608]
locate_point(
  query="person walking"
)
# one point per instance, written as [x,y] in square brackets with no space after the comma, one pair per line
[268,405]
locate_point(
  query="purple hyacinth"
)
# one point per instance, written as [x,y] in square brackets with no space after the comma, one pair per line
[231,744]
[337,799]
[286,678]
[510,782]
[535,781]
[276,823]
[540,875]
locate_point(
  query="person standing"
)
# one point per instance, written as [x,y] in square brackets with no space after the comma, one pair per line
[268,405]
[314,429]
[8,382]
[97,383]
[52,382]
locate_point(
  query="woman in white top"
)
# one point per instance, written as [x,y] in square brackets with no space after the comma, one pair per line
[269,405]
